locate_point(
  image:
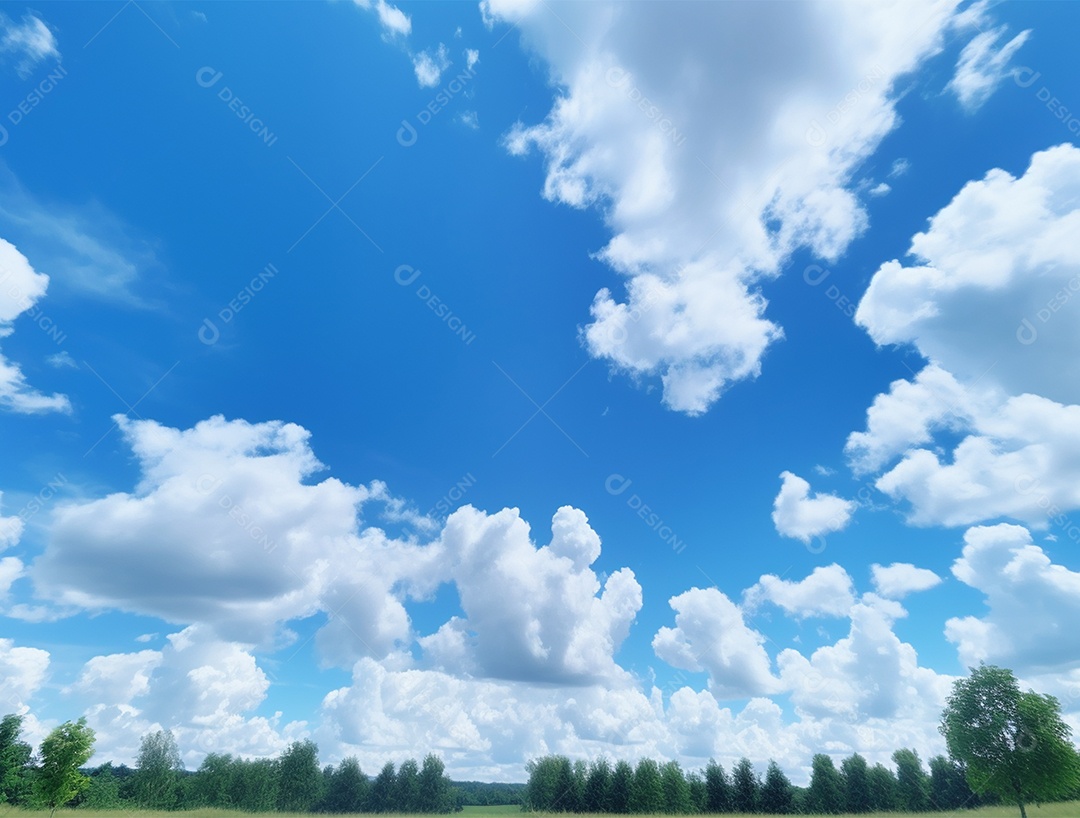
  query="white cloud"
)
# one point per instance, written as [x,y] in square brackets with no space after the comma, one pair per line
[11,569]
[907,416]
[992,293]
[28,42]
[711,634]
[827,591]
[869,674]
[199,687]
[550,621]
[224,529]
[62,360]
[1017,456]
[11,529]
[880,189]
[1031,602]
[705,205]
[429,66]
[472,57]
[22,673]
[469,119]
[982,66]
[394,21]
[797,514]
[117,678]
[21,287]
[988,302]
[902,578]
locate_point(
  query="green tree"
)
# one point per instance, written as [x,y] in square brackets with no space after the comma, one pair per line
[103,791]
[211,782]
[622,779]
[14,760]
[1014,745]
[646,791]
[254,784]
[66,749]
[676,789]
[435,789]
[744,786]
[826,794]
[912,783]
[776,793]
[157,772]
[299,777]
[381,794]
[949,789]
[882,785]
[717,788]
[699,796]
[348,788]
[597,784]
[854,771]
[407,787]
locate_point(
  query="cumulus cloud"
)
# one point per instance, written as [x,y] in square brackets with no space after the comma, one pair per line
[21,287]
[797,514]
[27,43]
[828,591]
[429,66]
[1030,599]
[550,621]
[22,673]
[224,528]
[869,674]
[993,283]
[710,634]
[394,21]
[983,65]
[988,302]
[902,578]
[711,170]
[198,686]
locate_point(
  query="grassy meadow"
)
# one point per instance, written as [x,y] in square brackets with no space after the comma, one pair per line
[1070,809]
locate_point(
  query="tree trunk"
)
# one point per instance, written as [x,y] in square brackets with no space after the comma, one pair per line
[1023,812]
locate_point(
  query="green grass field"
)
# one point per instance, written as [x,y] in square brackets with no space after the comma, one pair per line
[1070,809]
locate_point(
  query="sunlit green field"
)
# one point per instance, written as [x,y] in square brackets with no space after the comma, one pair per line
[1070,809]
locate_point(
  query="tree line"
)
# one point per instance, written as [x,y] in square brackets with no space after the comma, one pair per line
[292,782]
[558,785]
[1004,746]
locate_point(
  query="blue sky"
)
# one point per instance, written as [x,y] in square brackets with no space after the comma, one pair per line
[680,380]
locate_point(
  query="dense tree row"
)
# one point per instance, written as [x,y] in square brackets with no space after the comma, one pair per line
[558,785]
[293,782]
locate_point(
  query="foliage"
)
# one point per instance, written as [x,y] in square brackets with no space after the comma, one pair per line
[158,767]
[776,792]
[646,790]
[14,761]
[676,789]
[826,794]
[1014,745]
[717,788]
[66,749]
[744,786]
